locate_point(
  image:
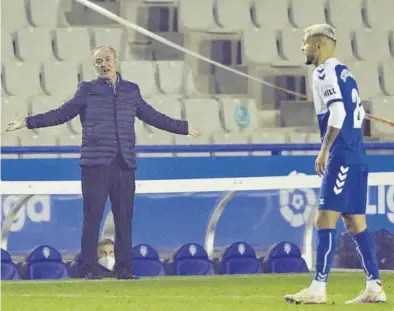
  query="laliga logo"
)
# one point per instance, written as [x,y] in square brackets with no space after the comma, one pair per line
[297,204]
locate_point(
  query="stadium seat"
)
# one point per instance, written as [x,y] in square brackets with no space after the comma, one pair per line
[60,79]
[13,107]
[344,47]
[146,261]
[382,107]
[240,258]
[203,114]
[156,138]
[378,14]
[110,36]
[9,270]
[45,262]
[167,105]
[87,71]
[78,38]
[191,11]
[233,15]
[272,15]
[387,74]
[171,75]
[227,82]
[192,259]
[290,47]
[7,48]
[143,73]
[26,73]
[344,14]
[367,77]
[284,257]
[204,139]
[162,51]
[267,136]
[34,44]
[366,41]
[239,114]
[46,137]
[47,13]
[228,138]
[251,43]
[305,13]
[13,14]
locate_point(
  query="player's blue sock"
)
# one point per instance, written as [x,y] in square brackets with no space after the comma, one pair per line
[367,254]
[326,246]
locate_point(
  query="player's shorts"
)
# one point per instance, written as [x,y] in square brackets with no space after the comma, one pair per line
[344,188]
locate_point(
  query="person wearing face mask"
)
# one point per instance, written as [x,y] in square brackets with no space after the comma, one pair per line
[106,254]
[107,107]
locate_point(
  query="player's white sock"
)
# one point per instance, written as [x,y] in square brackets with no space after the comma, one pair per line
[374,286]
[318,287]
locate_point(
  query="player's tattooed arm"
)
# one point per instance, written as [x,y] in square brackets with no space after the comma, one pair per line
[329,138]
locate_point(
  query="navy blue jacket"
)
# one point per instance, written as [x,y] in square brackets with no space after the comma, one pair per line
[107,119]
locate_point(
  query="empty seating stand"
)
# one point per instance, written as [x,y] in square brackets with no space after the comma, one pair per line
[240,258]
[146,261]
[284,257]
[192,259]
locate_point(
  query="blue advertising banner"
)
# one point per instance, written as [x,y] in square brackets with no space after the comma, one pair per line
[167,221]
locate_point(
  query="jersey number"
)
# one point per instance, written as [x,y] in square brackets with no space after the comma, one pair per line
[358,111]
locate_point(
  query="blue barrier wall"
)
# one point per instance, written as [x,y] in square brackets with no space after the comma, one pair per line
[166,221]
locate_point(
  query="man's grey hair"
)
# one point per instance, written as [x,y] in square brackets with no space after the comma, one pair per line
[324,30]
[108,47]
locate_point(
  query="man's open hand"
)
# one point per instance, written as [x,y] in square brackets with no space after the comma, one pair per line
[16,125]
[194,132]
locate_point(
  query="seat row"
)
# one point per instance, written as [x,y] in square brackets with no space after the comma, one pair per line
[223,15]
[41,44]
[45,262]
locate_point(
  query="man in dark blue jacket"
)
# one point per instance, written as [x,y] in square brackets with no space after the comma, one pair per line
[107,108]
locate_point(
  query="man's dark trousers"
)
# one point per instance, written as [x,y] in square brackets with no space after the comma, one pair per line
[98,182]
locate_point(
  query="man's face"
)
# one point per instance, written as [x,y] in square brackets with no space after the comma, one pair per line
[106,250]
[310,50]
[105,63]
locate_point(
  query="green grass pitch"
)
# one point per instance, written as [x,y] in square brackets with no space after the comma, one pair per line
[217,293]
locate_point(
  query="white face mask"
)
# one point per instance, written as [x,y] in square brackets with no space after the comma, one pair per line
[107,262]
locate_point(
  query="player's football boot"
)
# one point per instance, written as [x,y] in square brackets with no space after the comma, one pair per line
[307,296]
[368,296]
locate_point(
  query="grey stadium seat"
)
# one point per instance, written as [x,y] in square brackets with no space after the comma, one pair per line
[45,138]
[34,44]
[344,46]
[290,46]
[233,15]
[60,78]
[344,14]
[273,136]
[387,73]
[169,106]
[26,73]
[203,113]
[382,107]
[41,104]
[162,51]
[307,12]
[88,71]
[227,82]
[188,140]
[13,107]
[47,13]
[239,114]
[225,138]
[367,77]
[191,13]
[13,14]
[76,37]
[367,41]
[379,14]
[140,72]
[272,15]
[7,49]
[171,75]
[153,139]
[259,45]
[111,36]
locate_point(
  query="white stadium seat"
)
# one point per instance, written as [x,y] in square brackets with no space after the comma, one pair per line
[290,46]
[171,76]
[345,14]
[13,107]
[387,73]
[234,116]
[7,49]
[47,13]
[259,45]
[307,12]
[367,77]
[13,15]
[22,73]
[272,15]
[60,78]
[379,14]
[366,41]
[226,138]
[140,72]
[34,44]
[233,15]
[196,15]
[203,114]
[76,37]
